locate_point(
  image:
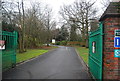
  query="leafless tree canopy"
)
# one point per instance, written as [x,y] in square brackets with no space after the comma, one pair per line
[105,3]
[78,15]
[34,24]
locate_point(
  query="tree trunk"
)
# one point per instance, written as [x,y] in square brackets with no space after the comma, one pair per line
[87,30]
[21,48]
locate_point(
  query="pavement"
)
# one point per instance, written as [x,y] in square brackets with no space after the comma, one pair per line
[61,63]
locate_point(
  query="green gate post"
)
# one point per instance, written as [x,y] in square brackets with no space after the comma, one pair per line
[0,57]
[101,46]
[95,52]
[15,47]
[9,53]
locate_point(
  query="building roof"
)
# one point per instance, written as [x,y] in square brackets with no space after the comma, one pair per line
[113,10]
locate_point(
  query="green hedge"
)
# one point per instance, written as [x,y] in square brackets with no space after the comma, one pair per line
[61,43]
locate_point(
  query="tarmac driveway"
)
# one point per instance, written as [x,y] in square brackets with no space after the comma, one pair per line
[61,63]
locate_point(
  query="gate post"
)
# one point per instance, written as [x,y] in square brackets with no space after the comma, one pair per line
[15,46]
[111,41]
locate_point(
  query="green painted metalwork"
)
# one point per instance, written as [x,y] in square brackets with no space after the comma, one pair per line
[9,53]
[95,52]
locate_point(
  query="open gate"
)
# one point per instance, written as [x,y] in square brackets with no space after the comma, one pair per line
[95,52]
[9,41]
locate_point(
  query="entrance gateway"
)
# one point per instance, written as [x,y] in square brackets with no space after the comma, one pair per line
[104,46]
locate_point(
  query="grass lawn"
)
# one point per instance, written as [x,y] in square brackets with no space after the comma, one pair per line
[83,52]
[29,54]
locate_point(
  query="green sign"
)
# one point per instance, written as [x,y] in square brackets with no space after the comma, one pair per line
[117,32]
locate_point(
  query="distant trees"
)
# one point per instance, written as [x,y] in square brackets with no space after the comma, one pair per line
[62,34]
[34,24]
[34,27]
[78,15]
[49,23]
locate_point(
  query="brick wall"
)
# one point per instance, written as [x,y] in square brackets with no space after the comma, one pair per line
[111,65]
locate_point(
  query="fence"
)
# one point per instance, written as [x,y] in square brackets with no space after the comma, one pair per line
[8,47]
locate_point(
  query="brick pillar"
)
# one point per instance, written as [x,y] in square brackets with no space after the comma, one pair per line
[111,20]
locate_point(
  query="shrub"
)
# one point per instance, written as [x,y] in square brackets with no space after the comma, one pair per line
[57,43]
[63,43]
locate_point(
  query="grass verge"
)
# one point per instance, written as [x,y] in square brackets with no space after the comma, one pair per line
[83,52]
[31,53]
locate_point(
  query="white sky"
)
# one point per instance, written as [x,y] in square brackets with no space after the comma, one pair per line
[55,5]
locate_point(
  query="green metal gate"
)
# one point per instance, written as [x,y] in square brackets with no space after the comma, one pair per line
[9,53]
[95,52]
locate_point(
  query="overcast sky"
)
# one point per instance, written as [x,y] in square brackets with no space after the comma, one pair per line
[55,5]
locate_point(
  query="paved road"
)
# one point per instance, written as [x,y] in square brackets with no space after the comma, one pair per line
[62,63]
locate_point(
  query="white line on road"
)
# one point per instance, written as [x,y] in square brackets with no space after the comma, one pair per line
[68,50]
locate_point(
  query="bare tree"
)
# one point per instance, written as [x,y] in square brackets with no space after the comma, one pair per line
[49,23]
[79,13]
[23,26]
[21,20]
[8,11]
[34,24]
[105,3]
